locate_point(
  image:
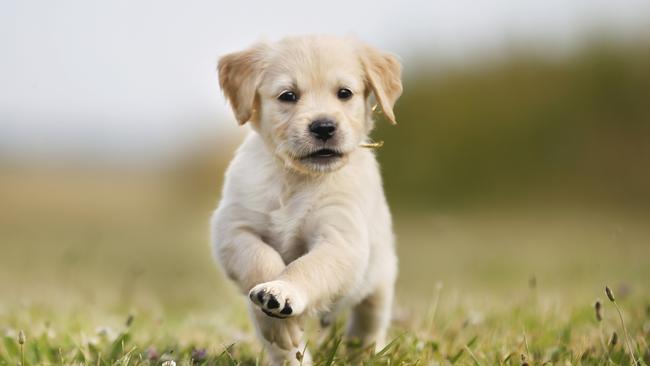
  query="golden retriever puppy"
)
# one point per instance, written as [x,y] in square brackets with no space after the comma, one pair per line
[303,227]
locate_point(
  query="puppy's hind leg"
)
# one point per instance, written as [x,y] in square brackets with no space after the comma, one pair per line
[371,317]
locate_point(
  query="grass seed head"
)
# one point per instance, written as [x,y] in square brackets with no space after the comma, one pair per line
[610,294]
[598,307]
[21,338]
[129,320]
[614,340]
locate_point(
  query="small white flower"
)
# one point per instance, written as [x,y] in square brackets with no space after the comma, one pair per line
[169,363]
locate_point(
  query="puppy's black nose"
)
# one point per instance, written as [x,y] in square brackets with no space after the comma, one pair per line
[322,129]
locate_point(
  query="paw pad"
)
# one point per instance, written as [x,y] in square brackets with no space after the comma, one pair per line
[276,302]
[272,303]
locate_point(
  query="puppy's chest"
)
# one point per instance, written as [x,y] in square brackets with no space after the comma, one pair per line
[287,212]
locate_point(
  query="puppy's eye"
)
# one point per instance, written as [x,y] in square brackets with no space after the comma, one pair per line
[344,94]
[288,96]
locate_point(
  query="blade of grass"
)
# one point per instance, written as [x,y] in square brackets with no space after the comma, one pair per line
[330,357]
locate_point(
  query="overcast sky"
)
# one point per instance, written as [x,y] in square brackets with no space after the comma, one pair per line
[138,76]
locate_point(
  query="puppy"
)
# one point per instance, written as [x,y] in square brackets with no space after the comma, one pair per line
[303,227]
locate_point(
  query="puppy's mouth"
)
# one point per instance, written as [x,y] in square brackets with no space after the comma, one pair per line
[322,156]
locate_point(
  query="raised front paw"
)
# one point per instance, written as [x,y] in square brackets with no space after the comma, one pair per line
[278,299]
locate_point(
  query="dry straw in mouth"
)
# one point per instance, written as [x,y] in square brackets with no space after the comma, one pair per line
[372,144]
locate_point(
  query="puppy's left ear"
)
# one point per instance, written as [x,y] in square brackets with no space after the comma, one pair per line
[384,76]
[239,77]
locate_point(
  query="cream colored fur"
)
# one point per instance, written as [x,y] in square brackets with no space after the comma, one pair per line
[313,235]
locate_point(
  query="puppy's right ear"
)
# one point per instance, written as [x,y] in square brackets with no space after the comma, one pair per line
[239,77]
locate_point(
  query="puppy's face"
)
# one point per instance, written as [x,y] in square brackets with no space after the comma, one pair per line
[308,97]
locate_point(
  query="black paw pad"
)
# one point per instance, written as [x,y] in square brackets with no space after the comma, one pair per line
[273,303]
[287,310]
[260,297]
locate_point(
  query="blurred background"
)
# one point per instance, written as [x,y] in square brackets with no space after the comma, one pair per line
[521,157]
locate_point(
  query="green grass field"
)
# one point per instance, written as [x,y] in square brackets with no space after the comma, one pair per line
[97,270]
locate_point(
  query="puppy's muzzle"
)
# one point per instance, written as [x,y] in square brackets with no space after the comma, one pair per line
[322,129]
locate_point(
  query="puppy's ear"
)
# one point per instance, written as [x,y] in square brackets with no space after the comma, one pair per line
[384,76]
[239,78]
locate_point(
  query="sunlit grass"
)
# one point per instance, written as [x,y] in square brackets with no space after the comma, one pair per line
[527,328]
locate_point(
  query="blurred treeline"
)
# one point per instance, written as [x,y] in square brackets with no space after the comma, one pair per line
[526,128]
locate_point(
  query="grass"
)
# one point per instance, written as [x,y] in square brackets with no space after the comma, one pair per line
[526,330]
[90,278]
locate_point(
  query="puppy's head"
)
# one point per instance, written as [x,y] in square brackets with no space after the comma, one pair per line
[309,97]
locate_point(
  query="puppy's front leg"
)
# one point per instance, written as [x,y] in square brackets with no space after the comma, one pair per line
[282,338]
[334,265]
[248,261]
